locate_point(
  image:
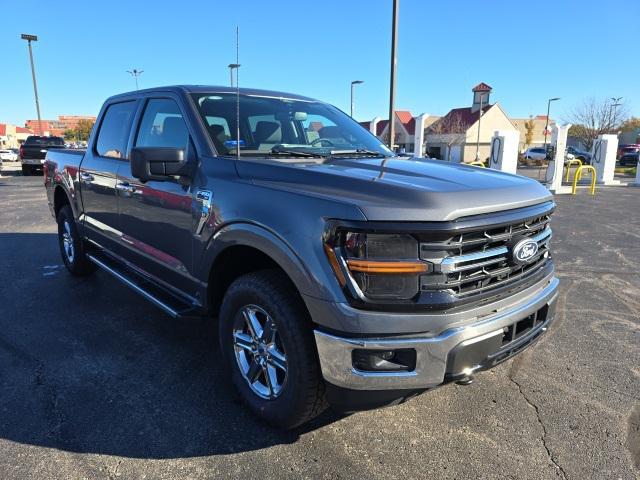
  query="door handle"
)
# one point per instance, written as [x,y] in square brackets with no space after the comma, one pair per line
[86,177]
[125,189]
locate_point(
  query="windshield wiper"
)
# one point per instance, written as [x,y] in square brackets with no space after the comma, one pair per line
[294,153]
[358,151]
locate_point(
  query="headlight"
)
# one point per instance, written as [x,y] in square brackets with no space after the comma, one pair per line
[378,266]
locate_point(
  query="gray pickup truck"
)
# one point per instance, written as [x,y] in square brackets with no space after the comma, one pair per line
[339,273]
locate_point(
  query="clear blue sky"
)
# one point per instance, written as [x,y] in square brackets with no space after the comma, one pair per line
[527,51]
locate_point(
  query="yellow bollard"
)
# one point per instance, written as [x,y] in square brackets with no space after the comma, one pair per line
[570,163]
[578,175]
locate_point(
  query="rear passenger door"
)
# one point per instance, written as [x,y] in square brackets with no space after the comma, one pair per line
[98,174]
[155,217]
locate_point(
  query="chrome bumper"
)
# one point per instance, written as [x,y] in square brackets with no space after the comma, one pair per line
[431,352]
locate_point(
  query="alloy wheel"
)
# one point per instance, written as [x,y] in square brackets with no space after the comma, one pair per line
[259,352]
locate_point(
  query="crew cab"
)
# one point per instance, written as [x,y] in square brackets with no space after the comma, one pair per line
[338,273]
[33,151]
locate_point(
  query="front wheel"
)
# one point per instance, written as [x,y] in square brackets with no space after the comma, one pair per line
[26,170]
[71,244]
[266,338]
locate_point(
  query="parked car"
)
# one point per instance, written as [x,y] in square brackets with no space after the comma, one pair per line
[34,150]
[584,157]
[628,154]
[338,273]
[622,149]
[535,153]
[8,156]
[630,158]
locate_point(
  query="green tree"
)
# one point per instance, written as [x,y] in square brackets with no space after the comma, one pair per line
[529,127]
[630,124]
[69,134]
[83,129]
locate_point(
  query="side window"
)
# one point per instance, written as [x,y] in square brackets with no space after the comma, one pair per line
[114,130]
[162,125]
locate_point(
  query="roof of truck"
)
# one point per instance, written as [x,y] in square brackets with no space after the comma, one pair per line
[217,89]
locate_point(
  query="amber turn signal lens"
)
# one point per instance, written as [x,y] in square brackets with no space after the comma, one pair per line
[335,266]
[368,266]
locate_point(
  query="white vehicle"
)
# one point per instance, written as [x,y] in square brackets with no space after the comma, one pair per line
[8,155]
[535,154]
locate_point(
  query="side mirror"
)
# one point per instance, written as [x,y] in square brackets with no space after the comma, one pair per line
[158,163]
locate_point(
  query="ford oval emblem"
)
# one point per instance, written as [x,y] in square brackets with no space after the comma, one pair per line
[525,250]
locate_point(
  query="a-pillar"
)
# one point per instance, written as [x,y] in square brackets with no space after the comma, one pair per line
[556,165]
[603,158]
[504,151]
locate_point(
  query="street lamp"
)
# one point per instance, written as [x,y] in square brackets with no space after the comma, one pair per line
[355,82]
[546,127]
[29,39]
[614,106]
[232,67]
[135,74]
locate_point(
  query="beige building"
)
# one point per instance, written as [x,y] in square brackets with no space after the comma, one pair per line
[11,136]
[455,136]
[539,124]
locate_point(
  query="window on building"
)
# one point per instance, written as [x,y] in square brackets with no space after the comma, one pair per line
[114,130]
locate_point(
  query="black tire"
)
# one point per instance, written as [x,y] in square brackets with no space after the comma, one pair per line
[302,396]
[26,170]
[75,259]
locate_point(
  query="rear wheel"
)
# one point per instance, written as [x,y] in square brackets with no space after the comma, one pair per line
[72,247]
[266,338]
[26,170]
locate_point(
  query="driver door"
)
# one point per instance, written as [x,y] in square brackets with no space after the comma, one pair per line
[155,216]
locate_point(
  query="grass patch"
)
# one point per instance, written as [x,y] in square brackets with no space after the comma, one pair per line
[626,171]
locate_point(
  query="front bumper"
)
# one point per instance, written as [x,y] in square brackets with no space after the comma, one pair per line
[453,354]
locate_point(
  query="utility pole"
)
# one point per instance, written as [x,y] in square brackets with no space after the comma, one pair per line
[135,74]
[29,39]
[392,83]
[355,82]
[232,67]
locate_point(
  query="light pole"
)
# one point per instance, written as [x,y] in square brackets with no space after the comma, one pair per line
[355,82]
[392,83]
[29,39]
[614,107]
[478,137]
[232,67]
[546,126]
[135,74]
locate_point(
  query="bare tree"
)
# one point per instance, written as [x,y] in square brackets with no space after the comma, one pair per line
[595,117]
[451,131]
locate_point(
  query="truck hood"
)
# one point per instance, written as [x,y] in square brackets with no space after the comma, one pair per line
[401,189]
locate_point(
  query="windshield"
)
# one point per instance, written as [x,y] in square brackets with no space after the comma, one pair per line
[280,127]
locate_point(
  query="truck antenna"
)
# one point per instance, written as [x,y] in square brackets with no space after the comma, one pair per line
[237,93]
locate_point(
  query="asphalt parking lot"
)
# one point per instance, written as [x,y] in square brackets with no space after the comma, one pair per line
[97,383]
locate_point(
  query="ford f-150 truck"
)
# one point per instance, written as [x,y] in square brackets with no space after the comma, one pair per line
[339,273]
[33,151]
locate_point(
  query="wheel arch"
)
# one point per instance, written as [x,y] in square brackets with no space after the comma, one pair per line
[243,248]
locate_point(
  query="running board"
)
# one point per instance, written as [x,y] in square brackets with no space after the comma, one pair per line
[160,297]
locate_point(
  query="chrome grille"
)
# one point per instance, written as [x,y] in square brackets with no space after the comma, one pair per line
[473,262]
